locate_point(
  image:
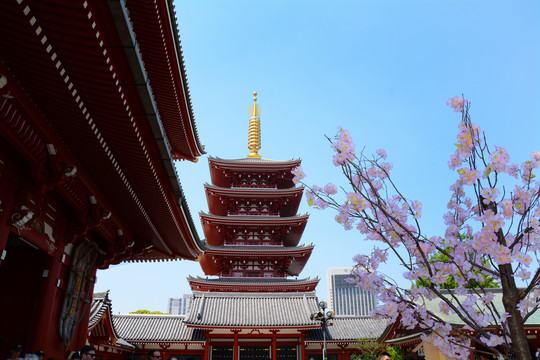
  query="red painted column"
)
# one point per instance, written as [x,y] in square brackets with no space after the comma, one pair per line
[8,189]
[303,347]
[274,345]
[235,348]
[206,348]
[343,355]
[43,334]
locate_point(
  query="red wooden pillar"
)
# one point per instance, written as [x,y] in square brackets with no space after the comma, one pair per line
[274,345]
[8,189]
[43,334]
[342,354]
[303,347]
[206,348]
[235,348]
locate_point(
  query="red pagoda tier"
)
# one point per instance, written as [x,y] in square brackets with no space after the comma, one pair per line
[252,173]
[252,229]
[255,261]
[245,201]
[256,286]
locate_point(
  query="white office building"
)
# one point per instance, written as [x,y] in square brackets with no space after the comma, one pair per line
[346,298]
[179,306]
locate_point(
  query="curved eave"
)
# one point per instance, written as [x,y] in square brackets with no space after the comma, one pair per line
[72,62]
[252,163]
[219,198]
[167,103]
[242,251]
[220,170]
[252,327]
[157,34]
[254,220]
[292,259]
[253,192]
[200,284]
[217,229]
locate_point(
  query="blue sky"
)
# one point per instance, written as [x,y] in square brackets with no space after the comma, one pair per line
[381,69]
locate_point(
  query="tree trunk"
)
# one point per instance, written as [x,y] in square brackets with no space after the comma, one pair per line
[519,347]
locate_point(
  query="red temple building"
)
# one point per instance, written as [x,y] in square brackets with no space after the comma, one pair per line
[248,307]
[90,124]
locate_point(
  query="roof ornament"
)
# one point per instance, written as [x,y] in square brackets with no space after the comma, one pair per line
[254,137]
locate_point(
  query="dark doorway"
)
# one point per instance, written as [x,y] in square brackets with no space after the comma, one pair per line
[286,353]
[20,275]
[254,352]
[222,352]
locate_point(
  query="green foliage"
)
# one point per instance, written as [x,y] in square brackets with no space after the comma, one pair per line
[395,352]
[451,283]
[148,312]
[370,350]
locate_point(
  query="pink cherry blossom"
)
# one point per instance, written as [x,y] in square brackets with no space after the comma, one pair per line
[381,153]
[491,223]
[330,189]
[299,174]
[457,103]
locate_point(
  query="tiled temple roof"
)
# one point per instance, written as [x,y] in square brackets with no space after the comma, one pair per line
[239,250]
[254,161]
[254,281]
[100,304]
[254,192]
[262,220]
[154,328]
[252,310]
[349,328]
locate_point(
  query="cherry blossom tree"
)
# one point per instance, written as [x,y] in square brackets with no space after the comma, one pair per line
[492,230]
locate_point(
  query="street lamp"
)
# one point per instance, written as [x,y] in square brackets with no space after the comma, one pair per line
[324,318]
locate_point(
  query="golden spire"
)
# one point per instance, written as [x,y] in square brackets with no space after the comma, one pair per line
[254,137]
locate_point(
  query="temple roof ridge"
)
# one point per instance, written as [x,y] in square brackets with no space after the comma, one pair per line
[261,218]
[253,189]
[250,295]
[150,315]
[253,280]
[261,248]
[254,160]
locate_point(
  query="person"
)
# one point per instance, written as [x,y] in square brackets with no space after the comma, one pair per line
[74,355]
[88,352]
[154,354]
[40,354]
[16,352]
[385,356]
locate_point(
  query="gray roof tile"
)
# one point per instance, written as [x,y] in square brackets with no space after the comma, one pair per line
[138,327]
[259,248]
[252,309]
[253,160]
[349,328]
[254,281]
[100,304]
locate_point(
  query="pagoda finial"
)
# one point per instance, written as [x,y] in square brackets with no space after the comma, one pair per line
[254,137]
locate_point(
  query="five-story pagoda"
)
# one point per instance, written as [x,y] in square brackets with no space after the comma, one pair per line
[252,228]
[249,308]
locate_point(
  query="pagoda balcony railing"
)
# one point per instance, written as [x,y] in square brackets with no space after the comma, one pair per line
[254,214]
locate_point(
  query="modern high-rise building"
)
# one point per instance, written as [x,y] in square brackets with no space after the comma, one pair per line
[346,298]
[179,306]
